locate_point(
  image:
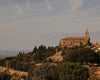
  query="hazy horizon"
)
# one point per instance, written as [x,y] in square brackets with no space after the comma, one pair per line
[26,23]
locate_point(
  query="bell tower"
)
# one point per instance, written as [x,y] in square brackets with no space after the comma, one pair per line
[87,34]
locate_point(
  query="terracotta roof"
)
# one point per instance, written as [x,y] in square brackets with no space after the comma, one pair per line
[60,46]
[74,38]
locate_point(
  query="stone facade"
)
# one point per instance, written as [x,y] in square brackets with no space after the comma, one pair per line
[75,41]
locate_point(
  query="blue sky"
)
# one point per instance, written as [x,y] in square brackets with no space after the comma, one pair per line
[25,23]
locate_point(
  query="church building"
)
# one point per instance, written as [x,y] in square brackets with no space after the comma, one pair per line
[75,41]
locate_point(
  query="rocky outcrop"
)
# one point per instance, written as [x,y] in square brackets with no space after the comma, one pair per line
[56,57]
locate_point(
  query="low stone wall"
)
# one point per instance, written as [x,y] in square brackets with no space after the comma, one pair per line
[19,73]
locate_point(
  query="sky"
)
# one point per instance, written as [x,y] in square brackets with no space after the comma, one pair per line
[26,23]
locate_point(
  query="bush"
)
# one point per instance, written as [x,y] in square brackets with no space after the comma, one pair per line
[82,55]
[64,71]
[40,73]
[69,71]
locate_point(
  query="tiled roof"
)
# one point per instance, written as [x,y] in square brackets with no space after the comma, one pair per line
[74,38]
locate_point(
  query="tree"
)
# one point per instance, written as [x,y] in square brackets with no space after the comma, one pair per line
[35,50]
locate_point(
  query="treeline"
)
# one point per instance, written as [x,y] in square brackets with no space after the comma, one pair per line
[13,63]
[41,53]
[23,60]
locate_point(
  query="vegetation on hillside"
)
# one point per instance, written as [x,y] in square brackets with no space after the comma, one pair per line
[41,54]
[68,69]
[82,55]
[23,60]
[64,71]
[40,73]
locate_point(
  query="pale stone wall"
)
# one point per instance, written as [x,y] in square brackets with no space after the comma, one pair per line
[19,73]
[75,41]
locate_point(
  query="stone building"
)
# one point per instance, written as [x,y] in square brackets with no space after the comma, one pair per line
[75,41]
[96,46]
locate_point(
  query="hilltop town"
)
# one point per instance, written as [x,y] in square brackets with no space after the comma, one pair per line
[46,63]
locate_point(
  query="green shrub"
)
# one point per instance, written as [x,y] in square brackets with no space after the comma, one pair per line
[69,71]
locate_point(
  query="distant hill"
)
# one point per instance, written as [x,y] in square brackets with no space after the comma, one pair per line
[5,53]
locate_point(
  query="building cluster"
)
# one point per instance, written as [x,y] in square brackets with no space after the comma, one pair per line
[69,42]
[96,46]
[75,41]
[79,41]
